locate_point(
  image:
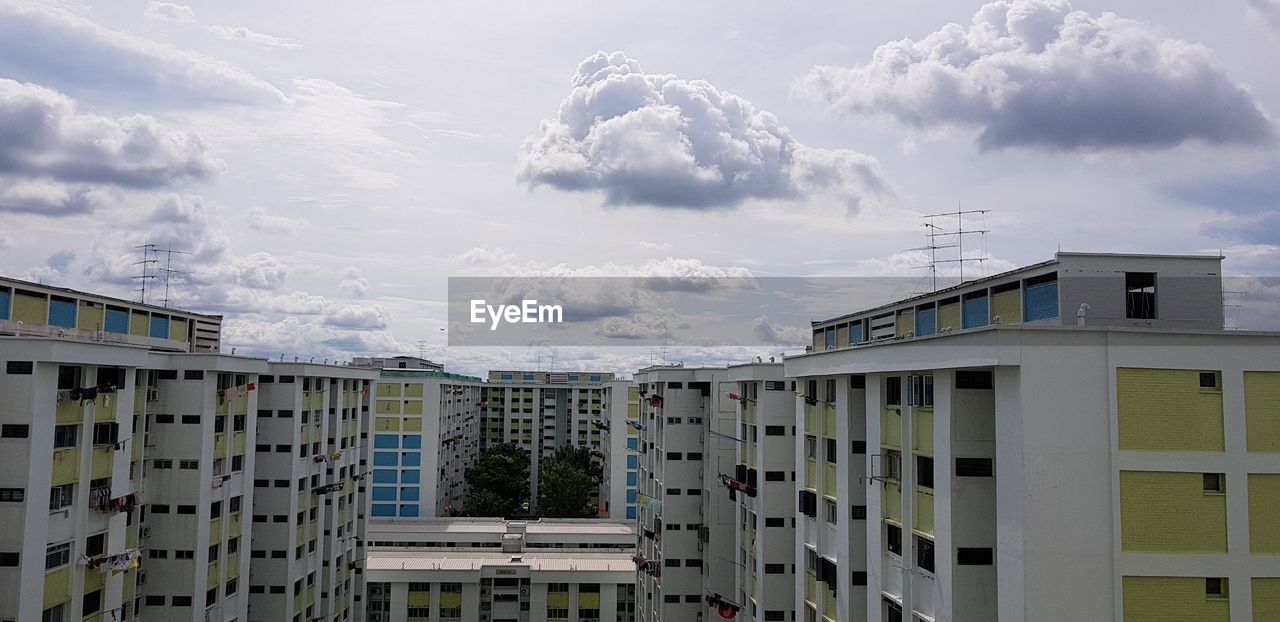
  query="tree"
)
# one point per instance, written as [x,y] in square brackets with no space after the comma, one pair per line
[498,481]
[569,480]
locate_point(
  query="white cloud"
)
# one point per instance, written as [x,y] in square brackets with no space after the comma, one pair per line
[168,12]
[656,247]
[769,332]
[262,220]
[56,159]
[240,33]
[486,255]
[1036,73]
[663,141]
[353,283]
[1267,9]
[115,64]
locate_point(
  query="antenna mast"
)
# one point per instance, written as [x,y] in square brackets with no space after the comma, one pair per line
[933,232]
[168,272]
[148,258]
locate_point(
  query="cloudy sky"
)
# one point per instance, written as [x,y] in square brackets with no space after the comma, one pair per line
[328,166]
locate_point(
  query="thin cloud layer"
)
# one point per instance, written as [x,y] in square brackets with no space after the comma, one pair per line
[663,141]
[168,12]
[241,33]
[1268,9]
[56,47]
[1036,73]
[57,160]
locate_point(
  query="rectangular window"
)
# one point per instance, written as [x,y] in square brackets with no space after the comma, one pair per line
[924,553]
[1209,381]
[833,515]
[13,495]
[893,539]
[1215,587]
[858,512]
[832,452]
[974,379]
[811,447]
[775,476]
[61,496]
[15,430]
[105,433]
[775,568]
[975,556]
[57,556]
[20,368]
[65,436]
[893,391]
[9,560]
[1140,295]
[921,393]
[1213,483]
[859,577]
[974,467]
[924,471]
[95,545]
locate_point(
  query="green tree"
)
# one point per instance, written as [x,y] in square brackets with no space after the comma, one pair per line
[569,480]
[498,481]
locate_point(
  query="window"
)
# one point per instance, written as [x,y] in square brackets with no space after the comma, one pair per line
[832,514]
[893,539]
[61,496]
[231,587]
[19,367]
[775,568]
[858,512]
[65,436]
[9,560]
[971,379]
[95,545]
[975,557]
[775,522]
[1140,295]
[13,495]
[180,601]
[921,390]
[191,419]
[158,463]
[105,433]
[811,447]
[858,448]
[775,476]
[893,391]
[1209,381]
[92,602]
[13,430]
[1215,587]
[57,555]
[673,455]
[693,455]
[189,464]
[924,471]
[186,509]
[157,554]
[832,452]
[159,508]
[1213,483]
[184,554]
[68,377]
[974,467]
[924,553]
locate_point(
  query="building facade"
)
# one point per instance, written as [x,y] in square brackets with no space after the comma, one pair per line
[1102,451]
[490,570]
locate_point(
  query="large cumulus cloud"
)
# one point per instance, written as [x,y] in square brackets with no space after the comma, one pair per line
[56,159]
[1036,73]
[663,141]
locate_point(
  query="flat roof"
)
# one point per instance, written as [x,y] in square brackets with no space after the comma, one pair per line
[499,526]
[120,301]
[455,559]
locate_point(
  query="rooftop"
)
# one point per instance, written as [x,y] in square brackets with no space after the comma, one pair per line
[540,560]
[499,526]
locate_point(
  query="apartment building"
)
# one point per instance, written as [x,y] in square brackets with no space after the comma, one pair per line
[1079,439]
[762,485]
[144,437]
[688,426]
[490,570]
[430,425]
[309,480]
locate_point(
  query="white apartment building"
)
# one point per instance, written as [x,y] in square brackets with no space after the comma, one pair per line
[490,570]
[1075,440]
[308,510]
[763,485]
[688,428]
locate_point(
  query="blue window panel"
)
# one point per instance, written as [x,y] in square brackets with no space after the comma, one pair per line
[4,304]
[408,494]
[975,312]
[631,513]
[631,496]
[631,479]
[595,378]
[412,442]
[829,338]
[528,376]
[410,476]
[384,493]
[386,441]
[633,461]
[62,313]
[926,322]
[408,510]
[384,509]
[159,327]
[573,377]
[506,376]
[384,458]
[116,321]
[412,458]
[1040,302]
[633,443]
[855,333]
[384,476]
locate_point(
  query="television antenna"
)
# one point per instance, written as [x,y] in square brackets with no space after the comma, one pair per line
[941,238]
[168,271]
[147,264]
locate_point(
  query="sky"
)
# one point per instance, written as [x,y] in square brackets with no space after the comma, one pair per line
[326,167]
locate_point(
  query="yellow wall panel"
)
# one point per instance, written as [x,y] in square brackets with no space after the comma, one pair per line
[1262,411]
[891,500]
[57,586]
[388,407]
[1167,512]
[923,517]
[30,309]
[1007,305]
[179,329]
[139,324]
[906,323]
[949,315]
[1266,599]
[413,389]
[413,407]
[89,318]
[1166,410]
[1264,514]
[922,436]
[1172,599]
[388,389]
[413,425]
[891,428]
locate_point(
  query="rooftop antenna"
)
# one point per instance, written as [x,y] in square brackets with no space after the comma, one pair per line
[952,239]
[168,272]
[148,258]
[422,348]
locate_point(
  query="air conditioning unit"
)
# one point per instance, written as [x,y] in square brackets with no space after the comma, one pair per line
[144,532]
[153,394]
